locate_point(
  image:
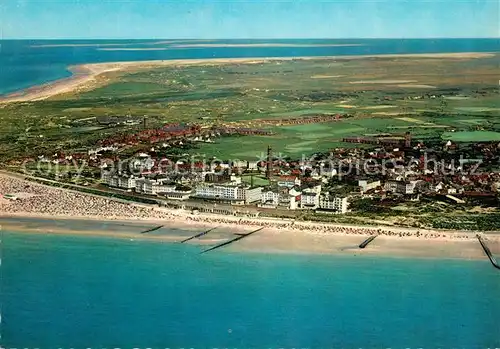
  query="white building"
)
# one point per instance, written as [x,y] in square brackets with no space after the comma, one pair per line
[310,198]
[290,199]
[368,184]
[495,187]
[395,187]
[101,149]
[251,194]
[127,183]
[438,187]
[336,204]
[253,165]
[240,164]
[403,187]
[117,181]
[153,186]
[110,179]
[223,192]
[229,192]
[309,201]
[235,179]
[270,198]
[178,194]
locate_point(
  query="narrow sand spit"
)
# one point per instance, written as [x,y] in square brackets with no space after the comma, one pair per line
[382,82]
[263,45]
[415,86]
[85,76]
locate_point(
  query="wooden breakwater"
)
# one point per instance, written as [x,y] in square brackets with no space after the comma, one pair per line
[367,241]
[488,252]
[152,229]
[198,235]
[231,241]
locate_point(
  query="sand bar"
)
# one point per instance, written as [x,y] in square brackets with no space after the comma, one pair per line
[85,76]
[182,46]
[270,44]
[132,49]
[104,44]
[326,76]
[81,45]
[415,86]
[382,81]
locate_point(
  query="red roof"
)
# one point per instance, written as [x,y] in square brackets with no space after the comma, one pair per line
[288,178]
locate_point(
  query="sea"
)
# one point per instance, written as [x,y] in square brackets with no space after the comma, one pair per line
[26,63]
[74,291]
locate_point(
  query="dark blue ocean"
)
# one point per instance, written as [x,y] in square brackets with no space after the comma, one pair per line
[90,292]
[30,62]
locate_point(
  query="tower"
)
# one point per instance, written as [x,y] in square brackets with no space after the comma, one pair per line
[269,162]
[407,140]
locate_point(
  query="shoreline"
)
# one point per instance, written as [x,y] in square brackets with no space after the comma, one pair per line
[39,201]
[85,76]
[269,241]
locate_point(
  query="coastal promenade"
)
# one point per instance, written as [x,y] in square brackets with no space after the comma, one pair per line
[42,201]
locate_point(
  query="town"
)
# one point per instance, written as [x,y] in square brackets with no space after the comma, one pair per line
[391,170]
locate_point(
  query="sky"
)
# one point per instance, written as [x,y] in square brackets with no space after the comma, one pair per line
[233,19]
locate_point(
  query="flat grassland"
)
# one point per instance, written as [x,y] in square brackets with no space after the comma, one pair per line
[432,96]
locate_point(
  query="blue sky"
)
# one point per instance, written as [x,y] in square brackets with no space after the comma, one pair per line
[208,19]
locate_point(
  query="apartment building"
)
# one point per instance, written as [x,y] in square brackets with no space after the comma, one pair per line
[154,186]
[403,187]
[270,198]
[289,199]
[251,194]
[335,204]
[119,181]
[310,198]
[235,193]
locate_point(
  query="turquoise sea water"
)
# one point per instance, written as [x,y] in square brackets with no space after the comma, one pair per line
[81,292]
[26,63]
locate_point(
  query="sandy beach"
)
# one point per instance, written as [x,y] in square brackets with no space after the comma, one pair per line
[87,76]
[278,236]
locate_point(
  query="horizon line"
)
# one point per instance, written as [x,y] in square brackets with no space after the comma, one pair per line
[229,39]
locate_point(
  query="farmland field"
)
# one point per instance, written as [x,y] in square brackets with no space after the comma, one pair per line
[472,136]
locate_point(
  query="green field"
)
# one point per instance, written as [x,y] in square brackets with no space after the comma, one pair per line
[472,136]
[426,96]
[298,140]
[257,180]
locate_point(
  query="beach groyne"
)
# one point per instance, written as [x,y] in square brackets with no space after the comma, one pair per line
[199,235]
[152,229]
[367,241]
[242,236]
[487,251]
